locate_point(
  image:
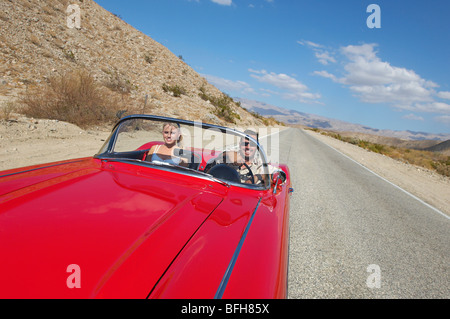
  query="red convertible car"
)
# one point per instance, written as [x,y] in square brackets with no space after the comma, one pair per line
[168,209]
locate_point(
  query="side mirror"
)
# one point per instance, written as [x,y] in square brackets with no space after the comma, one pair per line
[278,178]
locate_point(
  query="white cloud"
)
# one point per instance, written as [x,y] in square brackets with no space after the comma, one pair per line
[324,56]
[288,87]
[282,81]
[397,93]
[223,2]
[365,68]
[444,95]
[413,117]
[365,51]
[293,89]
[229,85]
[377,81]
[325,74]
[433,107]
[310,44]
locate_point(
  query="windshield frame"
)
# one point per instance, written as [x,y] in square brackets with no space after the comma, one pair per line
[107,152]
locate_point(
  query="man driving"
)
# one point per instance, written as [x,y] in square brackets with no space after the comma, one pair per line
[249,166]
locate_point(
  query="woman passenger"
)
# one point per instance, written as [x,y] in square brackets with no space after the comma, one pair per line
[172,143]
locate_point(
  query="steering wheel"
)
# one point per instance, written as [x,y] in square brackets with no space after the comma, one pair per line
[223,171]
[250,173]
[228,172]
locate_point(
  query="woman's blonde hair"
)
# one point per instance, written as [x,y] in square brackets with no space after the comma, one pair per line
[176,126]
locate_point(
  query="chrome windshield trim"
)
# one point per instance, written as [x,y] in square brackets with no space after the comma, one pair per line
[108,148]
[223,129]
[226,277]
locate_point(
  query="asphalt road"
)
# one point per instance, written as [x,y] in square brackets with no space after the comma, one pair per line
[354,235]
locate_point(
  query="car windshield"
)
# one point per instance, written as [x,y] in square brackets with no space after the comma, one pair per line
[217,152]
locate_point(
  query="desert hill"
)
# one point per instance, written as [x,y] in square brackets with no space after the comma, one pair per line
[37,44]
[443,147]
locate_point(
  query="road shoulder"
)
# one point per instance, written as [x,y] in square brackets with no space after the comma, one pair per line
[430,187]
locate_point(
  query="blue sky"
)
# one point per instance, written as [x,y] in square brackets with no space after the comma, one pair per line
[315,56]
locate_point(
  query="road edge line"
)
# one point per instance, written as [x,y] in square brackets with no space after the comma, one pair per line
[384,179]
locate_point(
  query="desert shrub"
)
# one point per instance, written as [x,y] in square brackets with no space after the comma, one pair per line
[223,108]
[266,120]
[6,110]
[69,55]
[176,90]
[223,105]
[377,148]
[149,58]
[74,97]
[118,83]
[429,160]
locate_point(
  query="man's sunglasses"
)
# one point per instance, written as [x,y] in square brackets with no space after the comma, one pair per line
[248,143]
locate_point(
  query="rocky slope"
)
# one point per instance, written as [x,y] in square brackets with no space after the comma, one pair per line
[37,44]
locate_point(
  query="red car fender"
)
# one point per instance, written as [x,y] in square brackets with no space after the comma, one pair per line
[238,245]
[265,251]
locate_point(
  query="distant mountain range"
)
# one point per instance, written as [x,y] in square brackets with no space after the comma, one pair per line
[292,117]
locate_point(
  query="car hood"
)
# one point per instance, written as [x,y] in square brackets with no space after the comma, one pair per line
[87,229]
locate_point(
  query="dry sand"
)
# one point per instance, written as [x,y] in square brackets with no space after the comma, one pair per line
[26,141]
